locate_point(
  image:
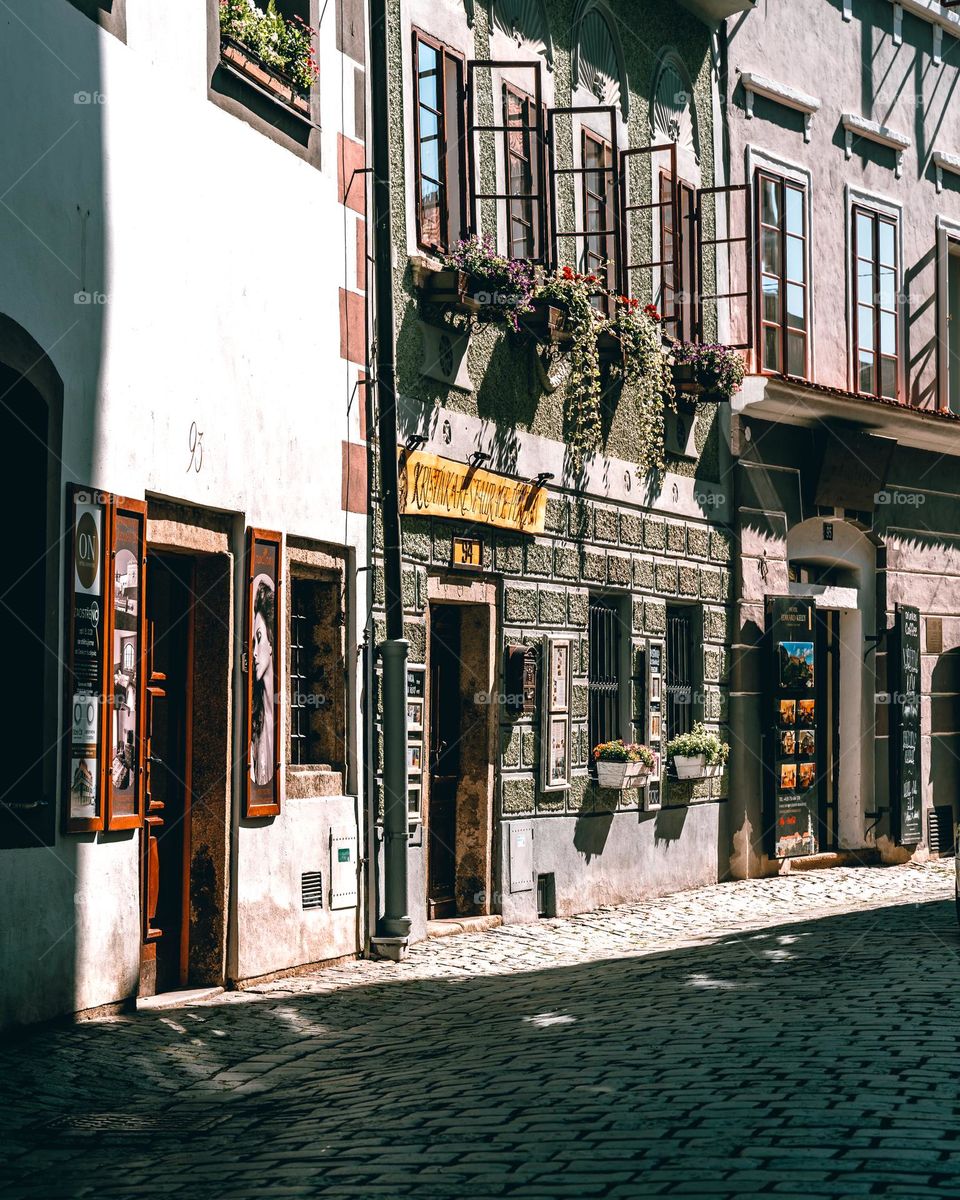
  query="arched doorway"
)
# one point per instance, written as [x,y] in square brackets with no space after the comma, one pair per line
[835,564]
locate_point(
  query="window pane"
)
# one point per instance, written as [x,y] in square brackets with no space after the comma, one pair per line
[865,327]
[796,354]
[864,236]
[769,202]
[428,70]
[771,251]
[430,157]
[771,348]
[888,333]
[864,282]
[429,213]
[796,303]
[771,299]
[888,377]
[886,244]
[794,210]
[795,259]
[888,288]
[866,372]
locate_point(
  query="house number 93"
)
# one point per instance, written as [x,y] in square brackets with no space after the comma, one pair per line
[196,448]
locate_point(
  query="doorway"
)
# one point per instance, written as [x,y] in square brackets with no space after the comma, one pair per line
[462,733]
[165,866]
[444,760]
[828,728]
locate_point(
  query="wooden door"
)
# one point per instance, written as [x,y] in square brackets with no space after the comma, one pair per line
[444,751]
[165,844]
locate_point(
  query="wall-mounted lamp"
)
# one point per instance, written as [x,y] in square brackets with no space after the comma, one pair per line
[542,478]
[415,441]
[478,457]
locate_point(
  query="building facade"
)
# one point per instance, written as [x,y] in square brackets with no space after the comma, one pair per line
[846,433]
[182,337]
[591,602]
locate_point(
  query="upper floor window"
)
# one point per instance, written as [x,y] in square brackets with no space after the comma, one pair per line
[598,207]
[876,341]
[521,140]
[439,159]
[784,301]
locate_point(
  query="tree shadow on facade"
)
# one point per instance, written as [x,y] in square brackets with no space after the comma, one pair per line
[682,1067]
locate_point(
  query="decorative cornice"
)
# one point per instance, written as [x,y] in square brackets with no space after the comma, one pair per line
[860,127]
[781,93]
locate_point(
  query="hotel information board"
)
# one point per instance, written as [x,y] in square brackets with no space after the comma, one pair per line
[791,750]
[904,679]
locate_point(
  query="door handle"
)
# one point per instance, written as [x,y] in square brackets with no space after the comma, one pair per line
[155,759]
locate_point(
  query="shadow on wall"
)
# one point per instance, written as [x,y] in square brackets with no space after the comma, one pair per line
[628,1065]
[53,298]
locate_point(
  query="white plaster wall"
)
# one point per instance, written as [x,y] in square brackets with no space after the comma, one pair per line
[216,256]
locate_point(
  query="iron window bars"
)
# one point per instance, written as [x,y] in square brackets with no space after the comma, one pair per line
[875,333]
[679,674]
[603,676]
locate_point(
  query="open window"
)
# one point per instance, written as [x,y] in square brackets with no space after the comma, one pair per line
[650,249]
[876,337]
[516,189]
[784,287]
[589,135]
[439,166]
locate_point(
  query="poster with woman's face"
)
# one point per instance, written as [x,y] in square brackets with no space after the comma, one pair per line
[263,674]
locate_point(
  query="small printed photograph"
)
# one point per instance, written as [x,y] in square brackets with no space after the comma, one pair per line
[788,776]
[807,743]
[415,714]
[654,726]
[788,712]
[808,774]
[788,743]
[415,682]
[414,757]
[808,712]
[796,664]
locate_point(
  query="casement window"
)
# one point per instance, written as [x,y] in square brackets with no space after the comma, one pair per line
[948,314]
[438,145]
[604,670]
[678,247]
[316,703]
[876,344]
[522,168]
[598,208]
[680,674]
[784,286]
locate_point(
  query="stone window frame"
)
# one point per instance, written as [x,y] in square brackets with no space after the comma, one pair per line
[110,15]
[308,562]
[243,99]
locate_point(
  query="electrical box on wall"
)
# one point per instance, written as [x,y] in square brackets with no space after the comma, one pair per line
[343,870]
[679,433]
[521,858]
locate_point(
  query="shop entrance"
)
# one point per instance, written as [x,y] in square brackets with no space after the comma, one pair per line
[165,869]
[461,736]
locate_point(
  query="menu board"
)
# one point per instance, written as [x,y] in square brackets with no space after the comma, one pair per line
[791,744]
[904,681]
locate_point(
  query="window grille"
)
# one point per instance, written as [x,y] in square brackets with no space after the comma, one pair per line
[603,676]
[680,679]
[299,710]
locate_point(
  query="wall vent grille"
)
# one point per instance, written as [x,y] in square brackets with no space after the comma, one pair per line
[311,889]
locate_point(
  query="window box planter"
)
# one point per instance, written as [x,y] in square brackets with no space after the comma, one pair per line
[610,347]
[244,62]
[696,767]
[447,286]
[547,322]
[619,776]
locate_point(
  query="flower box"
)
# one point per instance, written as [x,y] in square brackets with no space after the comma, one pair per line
[610,347]
[694,767]
[621,775]
[246,63]
[448,286]
[547,322]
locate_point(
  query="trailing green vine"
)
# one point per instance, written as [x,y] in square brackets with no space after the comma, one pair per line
[647,378]
[582,421]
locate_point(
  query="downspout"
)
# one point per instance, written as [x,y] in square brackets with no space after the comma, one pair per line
[394,927]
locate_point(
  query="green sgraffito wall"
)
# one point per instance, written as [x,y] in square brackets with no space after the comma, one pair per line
[508,386]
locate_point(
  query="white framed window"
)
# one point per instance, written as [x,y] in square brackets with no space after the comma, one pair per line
[876,305]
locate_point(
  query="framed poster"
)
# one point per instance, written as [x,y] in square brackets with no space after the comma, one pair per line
[86,683]
[790,742]
[903,669]
[653,733]
[415,716]
[264,682]
[555,716]
[124,716]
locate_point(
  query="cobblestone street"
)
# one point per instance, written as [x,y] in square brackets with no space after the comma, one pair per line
[793,1036]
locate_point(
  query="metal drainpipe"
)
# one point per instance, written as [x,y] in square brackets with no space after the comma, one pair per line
[394,926]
